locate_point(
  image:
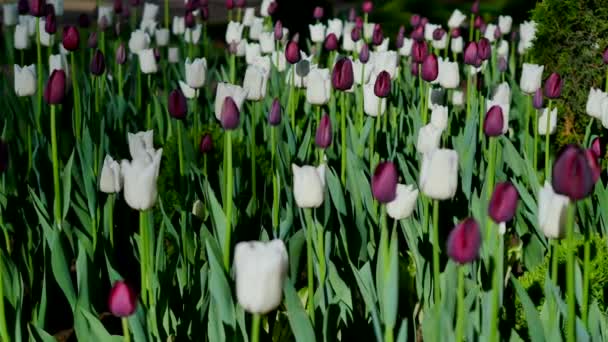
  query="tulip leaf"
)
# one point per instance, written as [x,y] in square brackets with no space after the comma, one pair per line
[39,335]
[217,213]
[67,185]
[59,265]
[335,190]
[298,320]
[535,327]
[220,289]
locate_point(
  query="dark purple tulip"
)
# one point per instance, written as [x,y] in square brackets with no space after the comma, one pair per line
[71,38]
[597,146]
[514,35]
[605,56]
[494,122]
[478,63]
[377,35]
[364,54]
[430,68]
[50,24]
[272,8]
[456,32]
[355,34]
[84,21]
[204,13]
[382,87]
[572,175]
[553,86]
[206,144]
[367,7]
[538,100]
[478,23]
[92,41]
[594,165]
[384,182]
[98,63]
[229,4]
[424,21]
[419,51]
[204,3]
[484,49]
[359,22]
[497,33]
[470,53]
[400,37]
[240,3]
[274,117]
[189,19]
[122,301]
[342,76]
[118,6]
[23,7]
[503,65]
[415,20]
[331,42]
[55,87]
[318,13]
[121,54]
[438,33]
[231,115]
[475,7]
[278,31]
[191,5]
[156,52]
[37,8]
[3,156]
[178,107]
[503,203]
[464,241]
[352,14]
[415,68]
[49,9]
[418,34]
[324,135]
[292,52]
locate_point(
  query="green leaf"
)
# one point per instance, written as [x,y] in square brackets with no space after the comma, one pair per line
[535,326]
[61,271]
[219,288]
[335,190]
[67,185]
[298,320]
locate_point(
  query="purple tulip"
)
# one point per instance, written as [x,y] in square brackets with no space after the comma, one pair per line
[121,54]
[419,51]
[400,37]
[23,7]
[605,56]
[118,6]
[503,65]
[156,52]
[352,14]
[438,33]
[278,31]
[324,135]
[342,76]
[456,32]
[191,5]
[415,20]
[206,144]
[122,301]
[484,49]
[355,34]
[367,7]
[572,175]
[384,182]
[497,33]
[377,35]
[3,156]
[494,122]
[470,53]
[318,13]
[503,203]
[331,42]
[475,7]
[464,241]
[359,22]
[479,23]
[50,24]
[205,13]
[230,115]
[135,3]
[418,34]
[538,100]
[274,117]
[71,38]
[240,3]
[292,52]
[189,19]
[424,21]
[382,87]
[98,63]
[430,68]
[92,41]
[55,87]
[553,86]
[272,8]
[37,8]
[415,69]
[229,4]
[598,148]
[178,107]
[594,165]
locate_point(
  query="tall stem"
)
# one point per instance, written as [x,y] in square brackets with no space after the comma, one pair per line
[291,105]
[496,286]
[587,271]
[39,74]
[166,13]
[57,198]
[571,299]
[76,90]
[547,139]
[255,328]
[143,256]
[275,180]
[125,329]
[460,305]
[138,95]
[229,180]
[120,91]
[254,118]
[111,199]
[372,138]
[180,149]
[436,284]
[309,265]
[343,133]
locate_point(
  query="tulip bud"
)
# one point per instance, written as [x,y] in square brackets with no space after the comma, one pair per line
[156,52]
[415,69]
[553,86]
[503,65]
[292,52]
[382,87]
[538,100]
[418,34]
[342,75]
[318,13]
[110,181]
[367,7]
[494,122]
[323,136]
[438,33]
[415,20]
[605,56]
[189,20]
[37,8]
[92,40]
[424,21]
[572,175]
[278,31]
[377,35]
[470,53]
[121,54]
[230,115]
[206,144]
[464,241]
[229,4]
[122,301]
[484,49]
[400,37]
[274,117]
[178,108]
[3,156]
[384,182]
[503,203]
[364,54]
[478,24]
[55,87]
[308,185]
[71,39]
[204,13]
[598,148]
[98,64]
[419,51]
[23,7]
[475,7]
[359,23]
[331,42]
[191,5]
[50,24]
[430,68]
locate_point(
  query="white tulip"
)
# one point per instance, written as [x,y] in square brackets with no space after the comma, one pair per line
[428,31]
[147,61]
[264,7]
[371,101]
[25,80]
[594,102]
[384,61]
[255,82]
[504,23]
[58,6]
[279,61]
[531,78]
[261,269]
[256,28]
[403,204]
[429,137]
[456,19]
[105,12]
[264,63]
[368,30]
[336,27]
[141,145]
[150,11]
[148,26]
[439,116]
[162,37]
[362,72]
[10,14]
[502,93]
[234,32]
[196,72]
[248,16]
[267,42]
[542,121]
[439,174]
[318,91]
[30,23]
[489,34]
[449,75]
[139,41]
[224,90]
[188,91]
[58,62]
[140,176]
[308,185]
[241,48]
[458,98]
[406,49]
[552,212]
[383,47]
[347,42]
[252,51]
[21,39]
[503,49]
[527,35]
[173,55]
[179,26]
[317,32]
[193,35]
[110,180]
[441,43]
[456,45]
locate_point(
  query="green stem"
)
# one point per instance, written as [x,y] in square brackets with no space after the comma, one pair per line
[437,285]
[96,85]
[571,299]
[255,328]
[469,80]
[343,134]
[554,260]
[425,91]
[291,105]
[138,95]
[605,88]
[229,180]
[111,199]
[39,74]
[149,105]
[57,204]
[309,264]
[586,274]
[232,68]
[180,149]
[3,327]
[491,166]
[275,180]
[460,304]
[256,113]
[166,13]
[361,99]
[76,90]
[120,91]
[496,286]
[547,139]
[143,256]
[372,138]
[125,329]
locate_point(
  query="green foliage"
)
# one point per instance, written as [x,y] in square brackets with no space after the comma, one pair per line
[571,35]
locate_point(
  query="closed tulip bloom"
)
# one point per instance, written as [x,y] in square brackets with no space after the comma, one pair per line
[331,42]
[382,87]
[110,180]
[308,185]
[255,82]
[458,98]
[440,39]
[503,203]
[594,165]
[122,301]
[342,75]
[139,41]
[406,48]
[364,54]
[268,8]
[572,175]
[492,33]
[456,19]
[494,122]
[367,7]
[140,176]
[418,34]
[594,102]
[292,52]
[162,37]
[229,4]
[479,24]
[403,204]
[261,270]
[552,212]
[336,26]
[25,80]
[240,3]
[196,72]
[470,53]
[355,34]
[538,100]
[370,101]
[531,78]
[318,13]
[274,116]
[206,144]
[464,242]
[98,64]
[323,136]
[384,182]
[189,19]
[484,49]
[553,86]
[10,12]
[598,148]
[605,56]
[430,68]
[377,35]
[178,26]
[224,90]
[527,35]
[173,55]
[449,74]
[147,61]
[504,23]
[84,21]
[503,65]
[419,51]
[58,62]
[37,8]
[178,107]
[542,121]
[3,156]
[439,174]
[439,116]
[429,137]
[456,44]
[318,90]
[230,117]
[21,37]
[71,38]
[278,30]
[55,88]
[415,20]
[317,32]
[267,42]
[92,40]
[121,54]
[234,32]
[46,39]
[189,92]
[50,24]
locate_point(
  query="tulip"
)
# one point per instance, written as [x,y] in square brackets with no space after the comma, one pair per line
[21,37]
[229,4]
[342,75]
[553,86]
[50,24]
[3,156]
[292,52]
[449,76]
[384,182]
[317,32]
[418,34]
[255,82]
[248,16]
[178,107]
[318,13]
[139,41]
[503,65]
[71,38]
[531,78]
[552,211]
[84,21]
[364,54]
[484,49]
[492,33]
[318,91]
[594,102]
[267,42]
[429,137]
[234,32]
[464,242]
[439,116]
[572,175]
[331,42]
[370,101]
[456,44]
[596,169]
[278,31]
[25,80]
[162,37]
[104,16]
[377,35]
[121,54]
[240,3]
[173,55]
[261,270]
[308,185]
[456,19]
[415,20]
[257,27]
[440,38]
[196,72]
[206,144]
[598,148]
[147,61]
[430,68]
[92,40]
[403,204]
[110,180]
[189,92]
[439,174]
[55,87]
[479,24]
[503,202]
[98,64]
[457,98]
[494,122]
[470,53]
[419,51]
[382,86]
[605,56]
[323,136]
[504,23]
[37,8]
[527,35]
[46,39]
[367,7]
[193,35]
[274,117]
[140,174]
[406,47]
[542,121]
[178,26]
[268,8]
[122,301]
[230,115]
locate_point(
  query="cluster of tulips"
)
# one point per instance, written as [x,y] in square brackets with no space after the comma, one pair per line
[332,150]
